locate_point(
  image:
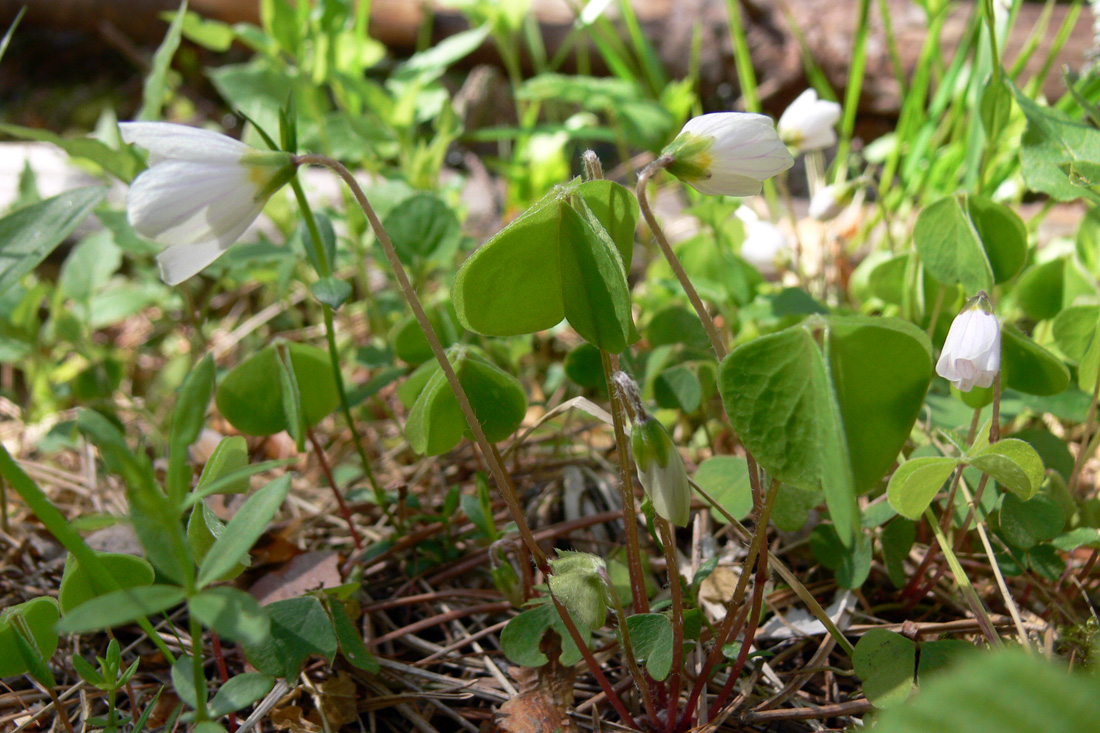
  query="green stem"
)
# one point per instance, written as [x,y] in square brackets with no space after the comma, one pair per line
[628,653]
[324,269]
[503,480]
[626,489]
[668,539]
[730,626]
[1082,451]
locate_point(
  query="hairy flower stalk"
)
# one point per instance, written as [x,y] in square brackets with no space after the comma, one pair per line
[200,193]
[730,153]
[971,355]
[807,124]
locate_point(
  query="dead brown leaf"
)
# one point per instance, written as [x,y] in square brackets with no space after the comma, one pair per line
[543,707]
[306,572]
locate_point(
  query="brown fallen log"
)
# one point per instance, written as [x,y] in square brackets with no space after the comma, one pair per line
[827,26]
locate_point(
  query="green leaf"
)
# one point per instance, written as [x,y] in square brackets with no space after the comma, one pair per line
[1046,562]
[1014,464]
[522,637]
[124,164]
[39,616]
[916,482]
[350,640]
[228,458]
[156,83]
[28,235]
[832,422]
[121,607]
[238,692]
[1075,331]
[949,246]
[897,539]
[1006,690]
[726,479]
[291,396]
[652,640]
[422,227]
[243,530]
[675,324]
[89,266]
[851,565]
[231,613]
[1080,537]
[328,242]
[332,291]
[1051,145]
[515,283]
[441,55]
[678,388]
[183,681]
[409,342]
[1045,289]
[886,663]
[1024,524]
[594,287]
[436,423]
[188,417]
[299,628]
[1028,367]
[248,398]
[78,585]
[203,529]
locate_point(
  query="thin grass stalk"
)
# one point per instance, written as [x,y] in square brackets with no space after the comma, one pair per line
[855,88]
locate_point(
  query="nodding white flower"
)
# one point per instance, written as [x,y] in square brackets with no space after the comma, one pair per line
[727,153]
[807,124]
[765,246]
[971,355]
[200,193]
[826,203]
[661,470]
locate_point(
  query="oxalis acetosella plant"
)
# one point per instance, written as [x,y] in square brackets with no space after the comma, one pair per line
[837,411]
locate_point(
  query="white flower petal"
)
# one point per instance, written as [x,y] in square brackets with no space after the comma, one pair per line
[971,353]
[186,203]
[745,150]
[168,141]
[808,122]
[181,261]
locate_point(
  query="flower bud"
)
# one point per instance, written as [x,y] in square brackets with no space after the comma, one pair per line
[727,153]
[765,246]
[971,355]
[807,124]
[661,470]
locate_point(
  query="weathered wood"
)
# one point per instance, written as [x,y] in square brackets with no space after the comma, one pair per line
[827,25]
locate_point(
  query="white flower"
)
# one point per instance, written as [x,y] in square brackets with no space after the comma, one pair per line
[661,470]
[807,124]
[826,203]
[971,355]
[765,246]
[728,153]
[201,191]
